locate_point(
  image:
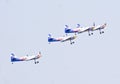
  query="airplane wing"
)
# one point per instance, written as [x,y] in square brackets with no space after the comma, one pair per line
[65,39]
[68,38]
[29,58]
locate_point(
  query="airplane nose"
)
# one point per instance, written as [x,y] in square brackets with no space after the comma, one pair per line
[39,56]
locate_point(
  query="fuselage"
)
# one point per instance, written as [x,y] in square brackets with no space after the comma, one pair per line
[24,58]
[61,39]
[78,30]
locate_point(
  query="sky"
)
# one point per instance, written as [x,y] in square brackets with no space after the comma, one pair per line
[24,29]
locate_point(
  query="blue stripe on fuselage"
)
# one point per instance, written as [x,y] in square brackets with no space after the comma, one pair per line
[13,59]
[52,39]
[69,30]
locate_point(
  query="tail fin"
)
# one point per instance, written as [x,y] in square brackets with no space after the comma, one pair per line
[78,25]
[67,29]
[49,35]
[66,26]
[12,55]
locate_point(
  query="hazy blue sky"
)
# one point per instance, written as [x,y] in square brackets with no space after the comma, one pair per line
[25,24]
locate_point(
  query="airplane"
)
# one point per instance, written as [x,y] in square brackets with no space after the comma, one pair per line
[61,39]
[78,29]
[25,58]
[99,27]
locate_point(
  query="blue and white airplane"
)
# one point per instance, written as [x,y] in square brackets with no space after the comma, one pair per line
[25,58]
[78,29]
[99,27]
[61,39]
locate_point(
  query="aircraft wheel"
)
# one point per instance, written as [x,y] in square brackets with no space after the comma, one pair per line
[37,61]
[89,34]
[102,31]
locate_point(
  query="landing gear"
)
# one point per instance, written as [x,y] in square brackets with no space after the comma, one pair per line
[90,33]
[72,43]
[36,62]
[101,32]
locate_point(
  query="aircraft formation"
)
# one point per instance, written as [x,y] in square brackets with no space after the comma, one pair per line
[77,30]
